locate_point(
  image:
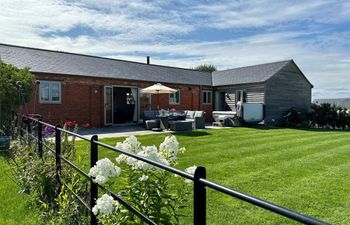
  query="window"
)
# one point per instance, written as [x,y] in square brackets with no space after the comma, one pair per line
[174,98]
[206,97]
[50,92]
[241,96]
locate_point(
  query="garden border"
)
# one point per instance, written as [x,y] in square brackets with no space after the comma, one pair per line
[199,178]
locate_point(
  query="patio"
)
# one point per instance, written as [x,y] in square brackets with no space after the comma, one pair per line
[127,130]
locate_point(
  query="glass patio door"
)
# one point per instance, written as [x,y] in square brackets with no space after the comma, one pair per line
[108,105]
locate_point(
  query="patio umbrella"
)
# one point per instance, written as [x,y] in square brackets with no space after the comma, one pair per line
[157,89]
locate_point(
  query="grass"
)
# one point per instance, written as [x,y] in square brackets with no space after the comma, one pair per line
[14,207]
[304,170]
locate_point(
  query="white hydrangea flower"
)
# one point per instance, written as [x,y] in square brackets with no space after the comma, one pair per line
[150,152]
[170,148]
[143,178]
[130,144]
[105,205]
[104,170]
[191,171]
[121,158]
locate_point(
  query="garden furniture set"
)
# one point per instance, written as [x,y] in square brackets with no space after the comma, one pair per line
[186,120]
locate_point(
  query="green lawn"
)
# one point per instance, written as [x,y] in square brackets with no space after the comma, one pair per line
[14,209]
[304,170]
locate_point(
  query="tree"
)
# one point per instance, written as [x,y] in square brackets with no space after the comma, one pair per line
[206,68]
[15,89]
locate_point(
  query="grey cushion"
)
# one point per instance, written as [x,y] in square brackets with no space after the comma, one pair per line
[150,124]
[189,114]
[180,125]
[198,114]
[149,114]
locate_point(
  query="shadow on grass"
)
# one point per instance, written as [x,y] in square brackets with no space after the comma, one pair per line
[192,134]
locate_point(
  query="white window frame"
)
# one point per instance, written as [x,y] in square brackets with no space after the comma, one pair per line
[50,101]
[174,102]
[207,92]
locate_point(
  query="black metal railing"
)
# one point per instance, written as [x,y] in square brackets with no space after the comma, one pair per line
[200,183]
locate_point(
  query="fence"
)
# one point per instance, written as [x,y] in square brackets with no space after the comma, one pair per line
[200,183]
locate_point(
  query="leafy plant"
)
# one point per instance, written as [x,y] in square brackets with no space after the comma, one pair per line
[291,118]
[147,188]
[13,82]
[326,115]
[37,177]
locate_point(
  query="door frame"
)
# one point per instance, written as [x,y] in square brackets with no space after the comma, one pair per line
[104,105]
[137,98]
[139,107]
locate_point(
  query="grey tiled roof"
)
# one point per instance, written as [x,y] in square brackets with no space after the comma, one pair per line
[249,74]
[55,62]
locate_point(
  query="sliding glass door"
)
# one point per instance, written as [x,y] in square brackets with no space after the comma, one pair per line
[108,105]
[120,105]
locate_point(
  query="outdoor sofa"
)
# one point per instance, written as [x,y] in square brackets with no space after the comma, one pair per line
[197,118]
[151,119]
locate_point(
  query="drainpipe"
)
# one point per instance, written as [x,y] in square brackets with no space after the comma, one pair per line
[200,98]
[37,83]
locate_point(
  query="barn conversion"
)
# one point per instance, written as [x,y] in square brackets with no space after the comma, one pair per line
[102,91]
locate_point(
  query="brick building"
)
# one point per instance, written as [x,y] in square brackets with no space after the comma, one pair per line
[98,91]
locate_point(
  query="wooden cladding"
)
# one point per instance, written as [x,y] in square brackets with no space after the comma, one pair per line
[230,99]
[254,94]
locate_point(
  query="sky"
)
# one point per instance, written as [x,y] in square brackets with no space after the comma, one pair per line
[187,33]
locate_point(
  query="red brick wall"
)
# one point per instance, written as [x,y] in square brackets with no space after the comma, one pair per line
[82,99]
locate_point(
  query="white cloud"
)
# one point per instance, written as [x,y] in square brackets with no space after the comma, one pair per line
[133,29]
[269,13]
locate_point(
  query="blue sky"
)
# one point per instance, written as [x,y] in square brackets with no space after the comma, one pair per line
[187,33]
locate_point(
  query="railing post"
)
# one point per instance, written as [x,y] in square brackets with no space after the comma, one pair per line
[58,159]
[40,138]
[93,186]
[29,131]
[199,197]
[29,126]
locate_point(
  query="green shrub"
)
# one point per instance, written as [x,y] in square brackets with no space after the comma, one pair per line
[37,177]
[15,89]
[326,115]
[292,118]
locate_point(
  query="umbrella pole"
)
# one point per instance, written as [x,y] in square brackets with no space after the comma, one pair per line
[158,100]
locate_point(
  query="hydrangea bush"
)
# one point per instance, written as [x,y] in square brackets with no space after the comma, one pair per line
[147,188]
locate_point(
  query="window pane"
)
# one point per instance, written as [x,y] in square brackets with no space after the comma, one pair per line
[44,92]
[205,97]
[244,96]
[209,97]
[55,92]
[171,98]
[174,98]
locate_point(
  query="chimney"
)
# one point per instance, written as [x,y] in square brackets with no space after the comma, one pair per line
[148,59]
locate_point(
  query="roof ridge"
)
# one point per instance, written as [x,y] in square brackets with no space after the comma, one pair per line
[286,61]
[98,57]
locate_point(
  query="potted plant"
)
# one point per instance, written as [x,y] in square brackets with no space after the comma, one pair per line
[15,90]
